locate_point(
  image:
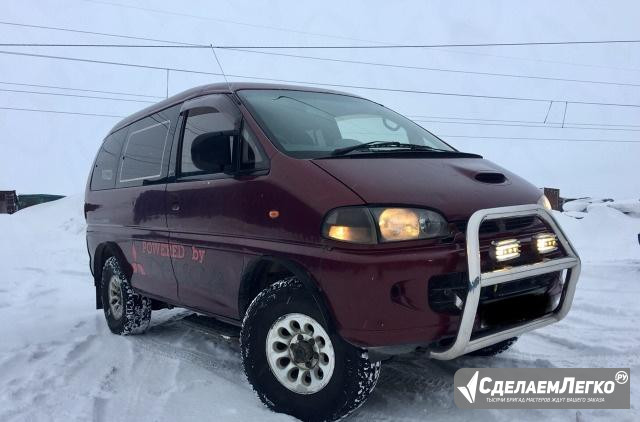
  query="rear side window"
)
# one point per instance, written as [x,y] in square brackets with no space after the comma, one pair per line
[145,152]
[105,169]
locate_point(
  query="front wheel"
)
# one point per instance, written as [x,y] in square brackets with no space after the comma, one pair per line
[295,363]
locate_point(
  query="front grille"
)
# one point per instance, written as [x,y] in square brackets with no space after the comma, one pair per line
[444,288]
[501,225]
[518,223]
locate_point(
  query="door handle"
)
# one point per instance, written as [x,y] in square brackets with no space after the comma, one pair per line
[175,207]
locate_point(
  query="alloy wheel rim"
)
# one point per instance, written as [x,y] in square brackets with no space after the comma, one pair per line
[300,353]
[115,297]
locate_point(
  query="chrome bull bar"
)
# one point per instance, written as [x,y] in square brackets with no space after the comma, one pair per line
[477,280]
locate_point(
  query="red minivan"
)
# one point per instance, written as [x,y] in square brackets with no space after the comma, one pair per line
[333,230]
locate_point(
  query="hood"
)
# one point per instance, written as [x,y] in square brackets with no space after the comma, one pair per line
[457,187]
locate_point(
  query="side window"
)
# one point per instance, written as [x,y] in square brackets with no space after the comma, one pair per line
[207,142]
[145,151]
[214,140]
[251,156]
[105,169]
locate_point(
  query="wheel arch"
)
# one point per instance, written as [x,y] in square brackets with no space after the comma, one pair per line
[255,278]
[103,252]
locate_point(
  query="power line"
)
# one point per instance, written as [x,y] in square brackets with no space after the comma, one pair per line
[531,59]
[80,31]
[325,35]
[539,125]
[79,89]
[512,121]
[247,24]
[20,91]
[542,139]
[139,66]
[310,57]
[330,47]
[436,69]
[476,53]
[59,112]
[411,91]
[185,44]
[110,45]
[602,124]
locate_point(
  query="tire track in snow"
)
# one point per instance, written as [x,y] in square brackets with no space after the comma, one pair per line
[221,358]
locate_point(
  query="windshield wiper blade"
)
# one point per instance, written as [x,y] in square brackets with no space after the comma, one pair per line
[414,147]
[366,145]
[385,144]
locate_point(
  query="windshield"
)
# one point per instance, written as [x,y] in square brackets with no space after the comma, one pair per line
[312,124]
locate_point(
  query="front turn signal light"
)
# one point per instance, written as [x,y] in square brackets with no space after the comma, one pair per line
[350,234]
[350,224]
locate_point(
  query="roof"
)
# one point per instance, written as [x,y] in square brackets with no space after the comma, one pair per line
[217,88]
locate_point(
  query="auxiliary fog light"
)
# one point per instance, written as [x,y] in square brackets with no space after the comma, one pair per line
[545,242]
[505,250]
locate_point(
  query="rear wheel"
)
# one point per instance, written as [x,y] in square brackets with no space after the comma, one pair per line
[126,311]
[295,363]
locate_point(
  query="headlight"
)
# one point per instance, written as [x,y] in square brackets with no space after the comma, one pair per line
[358,224]
[544,201]
[409,224]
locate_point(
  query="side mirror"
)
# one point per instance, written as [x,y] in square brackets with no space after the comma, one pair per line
[211,152]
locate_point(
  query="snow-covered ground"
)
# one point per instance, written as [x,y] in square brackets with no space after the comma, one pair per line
[58,360]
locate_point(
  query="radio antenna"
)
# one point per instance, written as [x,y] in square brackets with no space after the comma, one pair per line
[213,49]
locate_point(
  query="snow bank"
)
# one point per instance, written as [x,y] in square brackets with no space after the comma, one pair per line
[603,230]
[630,207]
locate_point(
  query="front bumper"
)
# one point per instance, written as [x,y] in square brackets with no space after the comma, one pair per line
[464,343]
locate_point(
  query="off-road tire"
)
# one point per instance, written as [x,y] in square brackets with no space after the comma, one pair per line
[136,309]
[495,349]
[354,376]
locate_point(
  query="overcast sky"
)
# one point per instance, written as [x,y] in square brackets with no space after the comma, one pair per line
[52,152]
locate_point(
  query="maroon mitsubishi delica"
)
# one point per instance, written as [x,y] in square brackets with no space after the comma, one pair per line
[333,230]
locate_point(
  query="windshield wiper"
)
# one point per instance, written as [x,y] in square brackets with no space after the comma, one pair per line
[385,144]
